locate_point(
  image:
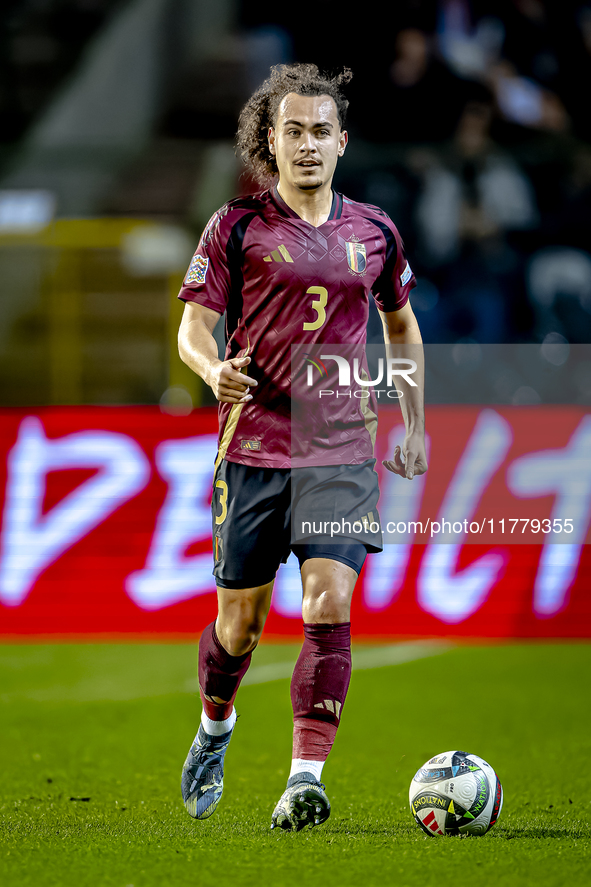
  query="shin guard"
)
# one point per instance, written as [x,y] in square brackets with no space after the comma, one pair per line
[219,675]
[318,688]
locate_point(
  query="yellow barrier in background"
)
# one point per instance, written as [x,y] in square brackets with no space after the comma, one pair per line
[90,313]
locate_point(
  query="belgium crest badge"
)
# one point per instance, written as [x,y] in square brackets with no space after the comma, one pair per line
[356,256]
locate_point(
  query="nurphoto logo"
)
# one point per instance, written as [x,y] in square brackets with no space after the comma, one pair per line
[387,370]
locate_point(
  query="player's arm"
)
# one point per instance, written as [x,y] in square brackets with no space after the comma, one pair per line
[199,350]
[403,340]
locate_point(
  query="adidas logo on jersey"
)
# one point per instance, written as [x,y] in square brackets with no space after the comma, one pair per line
[279,255]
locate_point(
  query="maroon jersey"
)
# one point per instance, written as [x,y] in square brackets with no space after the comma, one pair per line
[283,282]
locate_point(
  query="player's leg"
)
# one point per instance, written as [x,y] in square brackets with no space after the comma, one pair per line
[226,646]
[249,543]
[225,650]
[330,567]
[321,677]
[322,673]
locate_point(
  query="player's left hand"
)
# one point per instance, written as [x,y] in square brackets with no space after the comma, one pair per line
[409,460]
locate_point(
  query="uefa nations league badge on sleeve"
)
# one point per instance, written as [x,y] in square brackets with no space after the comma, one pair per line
[197,270]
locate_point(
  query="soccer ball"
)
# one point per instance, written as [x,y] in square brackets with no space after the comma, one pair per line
[456,793]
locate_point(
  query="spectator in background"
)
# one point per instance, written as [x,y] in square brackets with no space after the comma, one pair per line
[419,99]
[559,273]
[472,196]
[532,31]
[525,102]
[575,68]
[512,46]
[572,224]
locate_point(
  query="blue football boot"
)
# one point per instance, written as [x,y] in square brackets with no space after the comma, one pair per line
[202,780]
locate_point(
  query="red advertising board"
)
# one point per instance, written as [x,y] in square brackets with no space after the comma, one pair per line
[106,527]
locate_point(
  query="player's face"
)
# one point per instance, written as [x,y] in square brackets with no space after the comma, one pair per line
[307,141]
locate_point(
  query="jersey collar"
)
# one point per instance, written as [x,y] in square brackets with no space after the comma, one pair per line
[335,210]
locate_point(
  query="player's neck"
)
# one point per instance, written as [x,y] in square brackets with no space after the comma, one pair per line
[312,206]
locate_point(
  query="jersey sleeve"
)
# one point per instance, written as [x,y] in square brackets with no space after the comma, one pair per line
[392,288]
[207,281]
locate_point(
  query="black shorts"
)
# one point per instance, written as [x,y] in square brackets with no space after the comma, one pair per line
[334,511]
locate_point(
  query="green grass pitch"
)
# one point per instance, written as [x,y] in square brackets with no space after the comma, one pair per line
[93,738]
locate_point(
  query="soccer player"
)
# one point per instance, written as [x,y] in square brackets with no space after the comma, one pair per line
[296,263]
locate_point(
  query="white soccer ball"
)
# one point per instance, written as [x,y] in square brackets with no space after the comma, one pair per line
[456,793]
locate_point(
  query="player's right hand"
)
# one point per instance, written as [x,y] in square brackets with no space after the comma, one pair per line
[229,384]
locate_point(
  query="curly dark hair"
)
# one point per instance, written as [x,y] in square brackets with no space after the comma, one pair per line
[260,111]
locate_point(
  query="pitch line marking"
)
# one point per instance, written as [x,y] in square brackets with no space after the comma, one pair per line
[378,657]
[105,687]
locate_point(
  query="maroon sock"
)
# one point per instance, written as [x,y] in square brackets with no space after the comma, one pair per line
[318,688]
[219,675]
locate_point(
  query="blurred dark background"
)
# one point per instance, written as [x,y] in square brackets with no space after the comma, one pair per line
[469,124]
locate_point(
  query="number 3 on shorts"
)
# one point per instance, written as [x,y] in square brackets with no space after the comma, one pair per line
[318,305]
[223,501]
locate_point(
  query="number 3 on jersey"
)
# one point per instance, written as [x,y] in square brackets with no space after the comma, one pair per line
[222,486]
[318,305]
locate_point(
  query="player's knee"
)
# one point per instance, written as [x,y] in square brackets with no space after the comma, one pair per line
[323,604]
[241,618]
[328,588]
[249,637]
[240,636]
